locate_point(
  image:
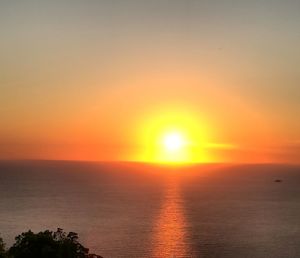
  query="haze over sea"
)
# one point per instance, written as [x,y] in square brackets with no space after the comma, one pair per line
[140,210]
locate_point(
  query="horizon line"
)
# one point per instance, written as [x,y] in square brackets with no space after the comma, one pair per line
[172,164]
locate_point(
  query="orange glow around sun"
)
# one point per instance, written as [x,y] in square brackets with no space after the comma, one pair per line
[173,137]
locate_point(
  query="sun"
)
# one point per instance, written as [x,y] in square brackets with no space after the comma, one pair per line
[173,147]
[172,137]
[173,142]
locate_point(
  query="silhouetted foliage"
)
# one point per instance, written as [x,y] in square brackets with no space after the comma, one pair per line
[2,248]
[49,244]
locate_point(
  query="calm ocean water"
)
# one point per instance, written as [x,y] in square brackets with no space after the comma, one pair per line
[136,210]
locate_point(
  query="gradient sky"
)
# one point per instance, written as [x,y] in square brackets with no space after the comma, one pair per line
[81,79]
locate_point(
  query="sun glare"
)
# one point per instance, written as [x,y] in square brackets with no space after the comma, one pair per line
[173,137]
[173,142]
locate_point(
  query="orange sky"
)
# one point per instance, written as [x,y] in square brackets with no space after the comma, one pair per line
[87,81]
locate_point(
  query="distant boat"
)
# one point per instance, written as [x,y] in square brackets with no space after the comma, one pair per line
[278,180]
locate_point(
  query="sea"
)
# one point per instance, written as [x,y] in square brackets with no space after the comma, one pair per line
[141,210]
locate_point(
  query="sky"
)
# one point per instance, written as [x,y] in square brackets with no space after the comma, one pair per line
[87,80]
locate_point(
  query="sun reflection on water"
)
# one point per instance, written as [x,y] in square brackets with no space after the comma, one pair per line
[169,233]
